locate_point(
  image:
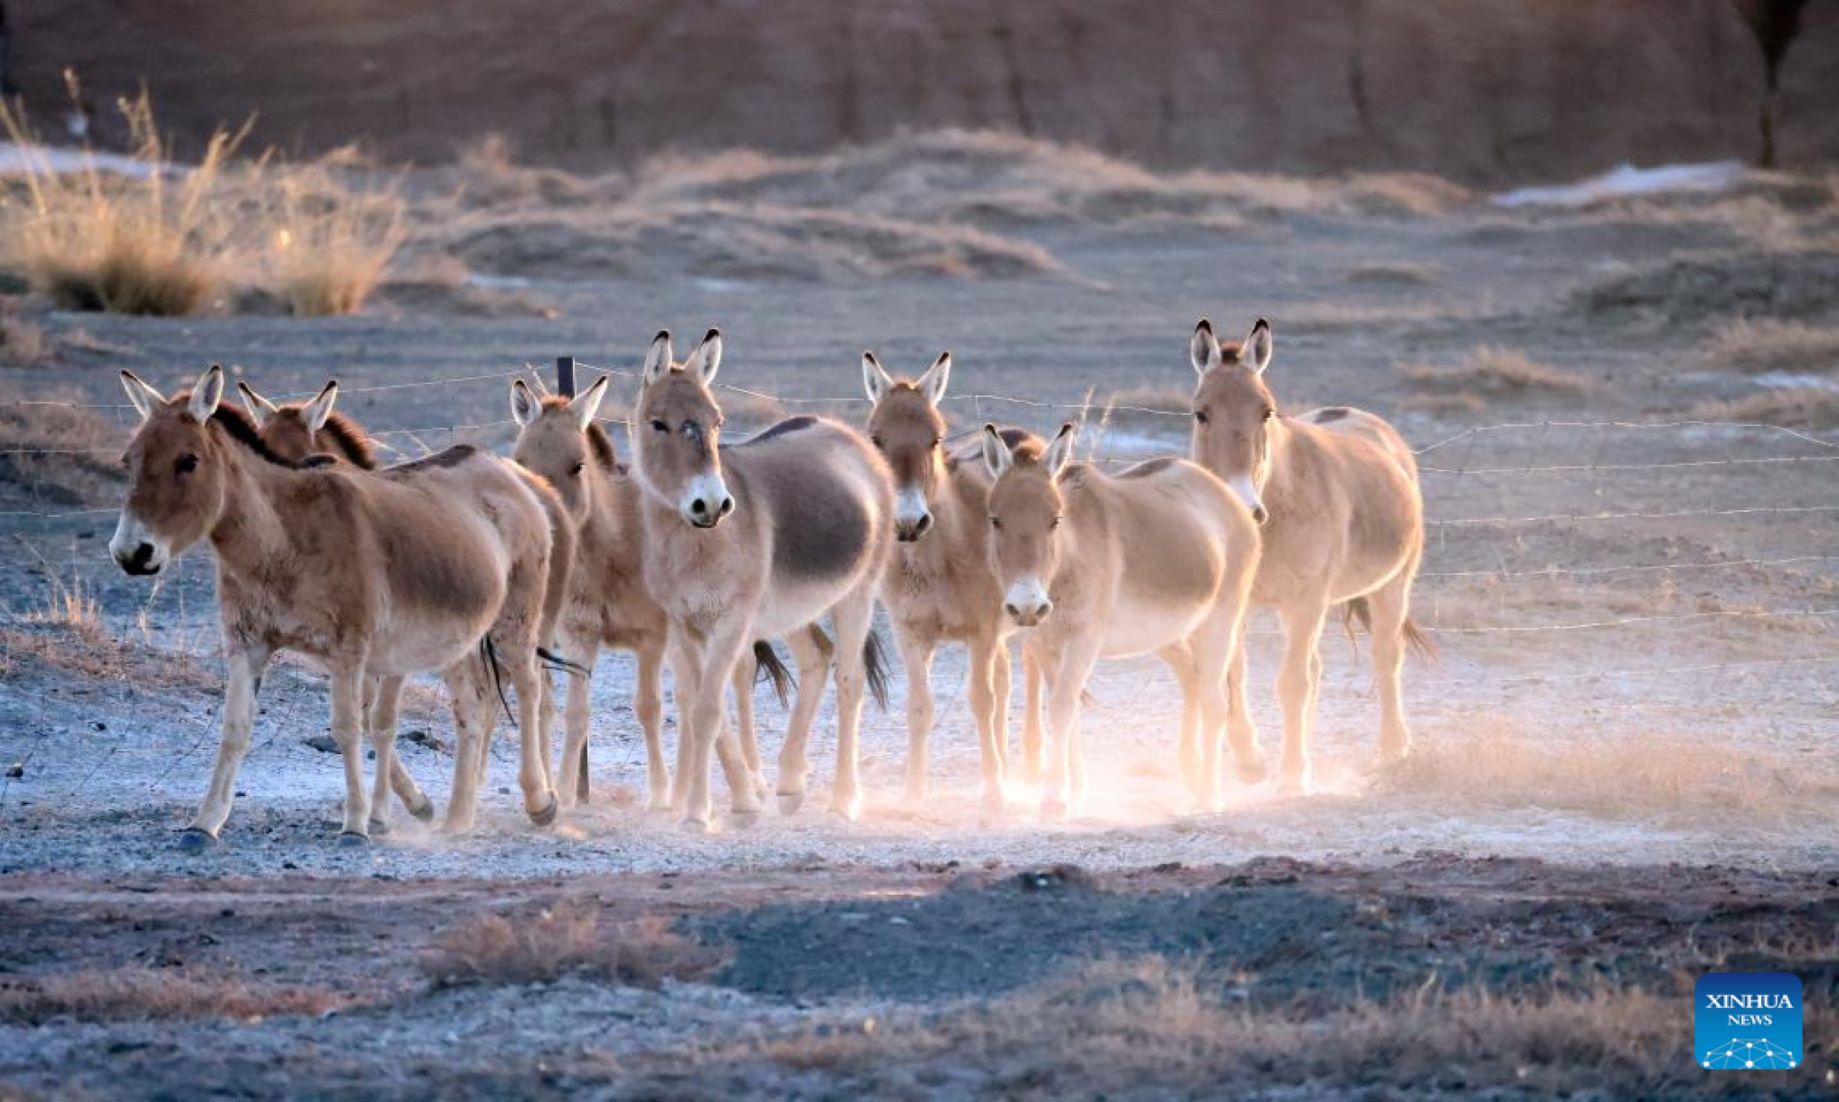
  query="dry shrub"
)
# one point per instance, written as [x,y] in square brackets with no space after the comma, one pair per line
[81,646]
[1760,345]
[486,175]
[1461,401]
[543,947]
[57,454]
[1151,1026]
[1396,275]
[143,994]
[1803,407]
[1782,283]
[152,236]
[22,342]
[1642,778]
[1156,399]
[1496,372]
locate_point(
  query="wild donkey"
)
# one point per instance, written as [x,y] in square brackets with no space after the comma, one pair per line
[940,585]
[753,541]
[423,566]
[294,432]
[1156,559]
[608,603]
[1336,494]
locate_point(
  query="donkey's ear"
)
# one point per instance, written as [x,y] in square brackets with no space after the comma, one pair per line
[260,408]
[586,404]
[525,405]
[1059,451]
[319,410]
[707,359]
[1255,353]
[145,398]
[875,380]
[658,357]
[1204,348]
[995,453]
[932,383]
[206,393]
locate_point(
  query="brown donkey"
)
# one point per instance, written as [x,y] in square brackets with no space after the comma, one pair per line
[1158,558]
[294,432]
[1336,494]
[419,567]
[940,585]
[755,541]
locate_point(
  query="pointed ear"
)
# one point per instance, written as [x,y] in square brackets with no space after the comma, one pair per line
[525,405]
[145,398]
[1204,348]
[206,393]
[1256,351]
[995,453]
[260,408]
[658,357]
[586,404]
[1059,451]
[707,359]
[875,381]
[319,410]
[932,383]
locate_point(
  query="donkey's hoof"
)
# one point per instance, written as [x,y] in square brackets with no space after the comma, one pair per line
[1295,786]
[1251,768]
[694,825]
[547,814]
[848,810]
[196,840]
[378,827]
[351,839]
[424,810]
[1055,811]
[790,802]
[744,819]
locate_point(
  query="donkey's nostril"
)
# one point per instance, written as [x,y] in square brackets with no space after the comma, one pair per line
[699,507]
[924,522]
[1012,610]
[1260,514]
[727,506]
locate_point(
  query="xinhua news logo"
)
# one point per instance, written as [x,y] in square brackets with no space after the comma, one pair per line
[1747,1021]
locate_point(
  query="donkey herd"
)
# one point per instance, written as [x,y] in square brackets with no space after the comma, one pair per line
[500,573]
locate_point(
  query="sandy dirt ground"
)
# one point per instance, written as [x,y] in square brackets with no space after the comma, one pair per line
[1624,758]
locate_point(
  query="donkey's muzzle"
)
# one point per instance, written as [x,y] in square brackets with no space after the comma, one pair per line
[909,531]
[1028,614]
[139,561]
[707,512]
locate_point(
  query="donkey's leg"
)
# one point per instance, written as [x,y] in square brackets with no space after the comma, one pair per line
[470,692]
[812,651]
[348,732]
[1390,605]
[686,675]
[916,650]
[988,666]
[1002,684]
[1212,648]
[1296,688]
[243,665]
[532,770]
[648,702]
[384,707]
[853,619]
[382,738]
[1066,686]
[721,649]
[574,716]
[746,671]
[1032,675]
[1247,757]
[1180,660]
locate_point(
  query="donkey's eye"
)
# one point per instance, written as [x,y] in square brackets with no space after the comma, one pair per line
[659,426]
[577,469]
[185,464]
[877,441]
[1055,524]
[936,441]
[1270,413]
[1201,416]
[996,522]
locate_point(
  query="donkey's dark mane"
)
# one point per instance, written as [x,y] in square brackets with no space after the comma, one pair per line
[237,425]
[352,441]
[597,439]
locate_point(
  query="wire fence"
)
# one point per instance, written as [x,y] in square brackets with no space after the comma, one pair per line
[1750,500]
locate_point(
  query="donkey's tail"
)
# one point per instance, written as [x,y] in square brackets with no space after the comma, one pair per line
[1417,640]
[876,664]
[488,657]
[769,668]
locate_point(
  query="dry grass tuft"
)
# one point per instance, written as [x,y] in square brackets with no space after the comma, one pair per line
[157,237]
[81,646]
[1755,346]
[22,342]
[57,454]
[1494,372]
[1394,275]
[1648,779]
[1159,399]
[541,948]
[1803,407]
[143,994]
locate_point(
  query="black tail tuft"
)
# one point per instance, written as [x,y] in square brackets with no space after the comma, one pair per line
[875,662]
[767,667]
[1417,640]
[488,654]
[554,661]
